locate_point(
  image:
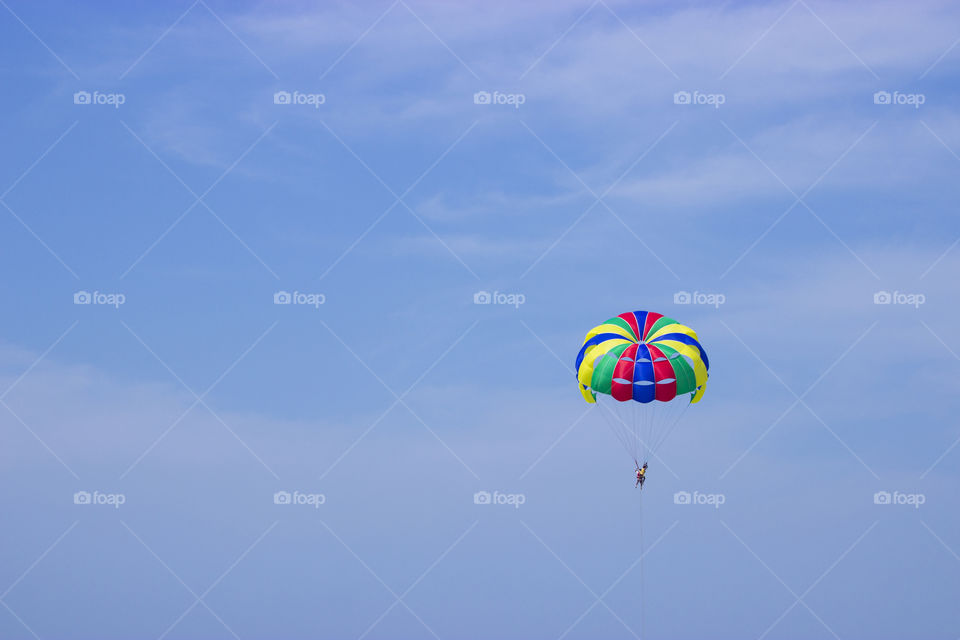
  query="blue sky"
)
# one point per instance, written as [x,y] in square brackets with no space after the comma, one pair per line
[393,194]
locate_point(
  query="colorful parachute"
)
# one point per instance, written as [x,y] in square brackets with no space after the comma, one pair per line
[642,356]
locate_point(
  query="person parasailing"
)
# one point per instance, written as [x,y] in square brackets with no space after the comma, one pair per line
[641,475]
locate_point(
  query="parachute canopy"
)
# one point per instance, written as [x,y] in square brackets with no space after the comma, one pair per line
[642,356]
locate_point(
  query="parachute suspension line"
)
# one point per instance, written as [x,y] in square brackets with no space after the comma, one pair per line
[622,417]
[642,428]
[656,409]
[612,425]
[655,424]
[672,424]
[620,431]
[622,420]
[652,422]
[638,427]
